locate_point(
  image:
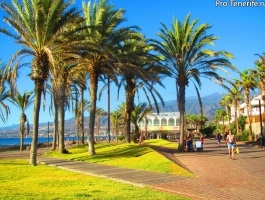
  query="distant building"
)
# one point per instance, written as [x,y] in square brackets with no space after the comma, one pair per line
[257,113]
[163,125]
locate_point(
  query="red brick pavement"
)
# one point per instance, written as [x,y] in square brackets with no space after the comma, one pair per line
[218,176]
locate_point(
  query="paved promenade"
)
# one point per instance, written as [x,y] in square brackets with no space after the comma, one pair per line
[216,175]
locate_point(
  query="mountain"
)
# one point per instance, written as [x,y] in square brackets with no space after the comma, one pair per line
[210,105]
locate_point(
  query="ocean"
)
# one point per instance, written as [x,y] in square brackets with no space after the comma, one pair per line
[27,141]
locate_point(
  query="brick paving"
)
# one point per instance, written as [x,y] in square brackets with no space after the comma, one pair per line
[216,175]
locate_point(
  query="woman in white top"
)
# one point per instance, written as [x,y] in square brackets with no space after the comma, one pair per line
[231,144]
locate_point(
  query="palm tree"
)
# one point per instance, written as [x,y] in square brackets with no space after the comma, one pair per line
[23,102]
[226,101]
[4,95]
[138,114]
[103,37]
[259,74]
[235,95]
[220,116]
[247,82]
[41,27]
[115,118]
[185,54]
[141,73]
[100,112]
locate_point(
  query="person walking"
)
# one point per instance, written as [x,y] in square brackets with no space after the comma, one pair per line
[231,143]
[219,138]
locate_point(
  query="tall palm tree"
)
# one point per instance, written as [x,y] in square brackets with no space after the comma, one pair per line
[142,73]
[23,102]
[186,54]
[247,82]
[103,37]
[40,27]
[235,95]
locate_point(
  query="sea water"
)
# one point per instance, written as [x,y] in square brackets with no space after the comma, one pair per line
[27,141]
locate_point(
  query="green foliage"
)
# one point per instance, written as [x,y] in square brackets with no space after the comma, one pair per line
[46,182]
[121,137]
[244,136]
[242,122]
[128,155]
[208,130]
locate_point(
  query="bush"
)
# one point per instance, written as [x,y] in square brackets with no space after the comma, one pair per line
[244,136]
[121,137]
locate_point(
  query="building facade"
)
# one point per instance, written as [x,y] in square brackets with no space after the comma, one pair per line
[162,125]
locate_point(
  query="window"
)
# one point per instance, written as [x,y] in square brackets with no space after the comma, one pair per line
[163,122]
[171,122]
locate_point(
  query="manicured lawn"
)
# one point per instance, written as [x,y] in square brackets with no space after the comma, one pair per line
[131,155]
[18,180]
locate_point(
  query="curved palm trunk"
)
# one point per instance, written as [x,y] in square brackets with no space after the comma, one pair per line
[181,105]
[93,99]
[33,150]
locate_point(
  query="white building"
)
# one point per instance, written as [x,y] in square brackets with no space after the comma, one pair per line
[164,124]
[257,113]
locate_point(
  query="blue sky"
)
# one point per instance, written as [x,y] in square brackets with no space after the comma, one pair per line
[240,30]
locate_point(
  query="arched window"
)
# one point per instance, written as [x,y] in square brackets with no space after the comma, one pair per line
[163,122]
[156,122]
[171,122]
[177,121]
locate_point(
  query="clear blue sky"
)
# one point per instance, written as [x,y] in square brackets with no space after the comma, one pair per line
[240,30]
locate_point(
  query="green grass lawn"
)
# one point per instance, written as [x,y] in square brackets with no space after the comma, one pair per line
[18,180]
[127,155]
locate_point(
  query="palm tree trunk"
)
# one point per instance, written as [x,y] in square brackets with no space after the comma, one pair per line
[33,150]
[61,115]
[82,117]
[55,130]
[181,105]
[61,127]
[93,99]
[22,130]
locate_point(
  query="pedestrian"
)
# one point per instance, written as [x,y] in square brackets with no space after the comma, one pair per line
[219,139]
[231,143]
[261,140]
